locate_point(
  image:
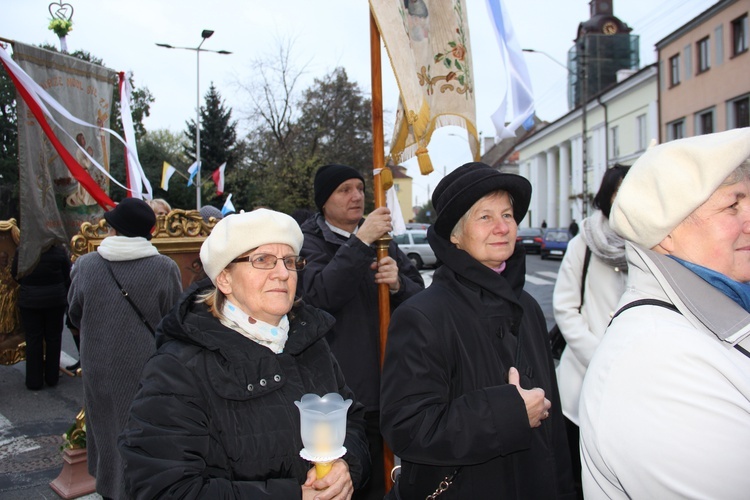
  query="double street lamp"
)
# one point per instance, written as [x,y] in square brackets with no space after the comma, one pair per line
[205,34]
[584,104]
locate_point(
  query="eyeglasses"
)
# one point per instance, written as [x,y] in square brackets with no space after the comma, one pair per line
[267,261]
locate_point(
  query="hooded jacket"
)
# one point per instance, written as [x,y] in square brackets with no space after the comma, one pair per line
[666,399]
[214,416]
[445,399]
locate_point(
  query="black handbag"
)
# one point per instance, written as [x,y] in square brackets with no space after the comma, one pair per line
[556,340]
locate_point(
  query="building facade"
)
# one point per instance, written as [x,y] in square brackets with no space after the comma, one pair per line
[402,183]
[704,73]
[620,123]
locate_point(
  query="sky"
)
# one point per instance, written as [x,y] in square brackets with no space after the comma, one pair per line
[325,34]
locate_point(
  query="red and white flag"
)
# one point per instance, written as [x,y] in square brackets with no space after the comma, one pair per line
[218,177]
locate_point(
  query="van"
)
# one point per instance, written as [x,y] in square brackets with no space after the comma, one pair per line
[414,244]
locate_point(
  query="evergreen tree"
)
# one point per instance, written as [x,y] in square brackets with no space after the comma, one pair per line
[218,141]
[8,148]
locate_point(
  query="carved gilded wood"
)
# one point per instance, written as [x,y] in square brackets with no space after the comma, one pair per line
[12,342]
[179,235]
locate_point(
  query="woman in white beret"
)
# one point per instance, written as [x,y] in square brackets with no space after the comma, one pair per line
[665,404]
[214,416]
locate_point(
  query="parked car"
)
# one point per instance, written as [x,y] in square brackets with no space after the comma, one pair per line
[530,238]
[414,244]
[554,243]
[417,225]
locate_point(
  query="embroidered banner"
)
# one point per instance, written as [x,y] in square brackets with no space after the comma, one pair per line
[428,45]
[53,203]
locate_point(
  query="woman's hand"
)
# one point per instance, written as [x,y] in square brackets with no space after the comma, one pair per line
[337,484]
[537,406]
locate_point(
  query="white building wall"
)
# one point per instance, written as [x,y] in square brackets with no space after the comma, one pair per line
[552,187]
[552,157]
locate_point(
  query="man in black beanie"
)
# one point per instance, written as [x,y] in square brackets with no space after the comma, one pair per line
[341,278]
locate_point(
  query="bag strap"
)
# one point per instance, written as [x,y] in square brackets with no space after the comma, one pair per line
[646,302]
[586,261]
[130,301]
[667,305]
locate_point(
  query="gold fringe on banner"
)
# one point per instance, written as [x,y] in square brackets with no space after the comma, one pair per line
[423,158]
[419,121]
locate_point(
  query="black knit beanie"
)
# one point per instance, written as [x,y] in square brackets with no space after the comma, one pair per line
[330,177]
[459,190]
[132,217]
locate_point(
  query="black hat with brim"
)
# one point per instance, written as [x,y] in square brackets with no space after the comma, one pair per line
[132,218]
[459,190]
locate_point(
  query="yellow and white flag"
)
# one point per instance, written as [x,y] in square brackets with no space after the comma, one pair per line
[166,173]
[428,45]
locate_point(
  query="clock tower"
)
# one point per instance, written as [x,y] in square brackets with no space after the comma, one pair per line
[603,45]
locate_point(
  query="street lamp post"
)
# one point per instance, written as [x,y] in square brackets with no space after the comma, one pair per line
[205,34]
[584,104]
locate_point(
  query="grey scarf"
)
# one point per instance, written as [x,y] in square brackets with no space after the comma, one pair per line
[603,241]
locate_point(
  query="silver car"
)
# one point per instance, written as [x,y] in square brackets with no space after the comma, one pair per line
[414,244]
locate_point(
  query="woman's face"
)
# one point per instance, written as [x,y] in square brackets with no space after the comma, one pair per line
[489,231]
[717,234]
[264,294]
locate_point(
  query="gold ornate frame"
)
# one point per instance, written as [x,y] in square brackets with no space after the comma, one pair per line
[12,340]
[179,235]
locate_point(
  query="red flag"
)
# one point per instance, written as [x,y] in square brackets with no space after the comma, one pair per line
[218,177]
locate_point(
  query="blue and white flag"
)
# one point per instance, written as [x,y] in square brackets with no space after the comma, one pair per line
[192,170]
[228,206]
[519,82]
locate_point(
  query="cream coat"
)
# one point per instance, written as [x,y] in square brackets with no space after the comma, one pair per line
[665,405]
[582,330]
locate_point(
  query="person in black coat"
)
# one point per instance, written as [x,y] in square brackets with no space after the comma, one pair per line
[214,416]
[42,300]
[342,278]
[468,390]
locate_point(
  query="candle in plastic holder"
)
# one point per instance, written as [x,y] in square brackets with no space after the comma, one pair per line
[323,429]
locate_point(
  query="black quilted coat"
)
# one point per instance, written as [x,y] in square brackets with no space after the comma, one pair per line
[214,416]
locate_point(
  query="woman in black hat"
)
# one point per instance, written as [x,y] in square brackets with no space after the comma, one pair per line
[468,392]
[116,340]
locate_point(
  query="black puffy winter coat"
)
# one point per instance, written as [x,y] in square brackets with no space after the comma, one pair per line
[446,403]
[214,416]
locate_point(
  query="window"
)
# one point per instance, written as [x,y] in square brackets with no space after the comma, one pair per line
[401,239]
[676,130]
[674,70]
[642,128]
[703,51]
[739,35]
[705,123]
[614,142]
[739,112]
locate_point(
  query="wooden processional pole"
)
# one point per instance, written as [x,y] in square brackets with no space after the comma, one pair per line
[378,162]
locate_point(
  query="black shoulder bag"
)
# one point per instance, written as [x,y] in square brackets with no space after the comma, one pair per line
[556,339]
[130,301]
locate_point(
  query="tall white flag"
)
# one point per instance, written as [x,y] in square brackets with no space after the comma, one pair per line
[519,82]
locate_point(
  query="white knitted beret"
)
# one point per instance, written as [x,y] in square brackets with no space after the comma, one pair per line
[669,181]
[238,233]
